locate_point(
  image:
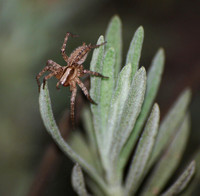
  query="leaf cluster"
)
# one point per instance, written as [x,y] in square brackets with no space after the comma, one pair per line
[126,118]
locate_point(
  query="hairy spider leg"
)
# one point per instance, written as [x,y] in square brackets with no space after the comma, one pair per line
[50,65]
[85,91]
[48,77]
[96,46]
[65,57]
[94,73]
[73,89]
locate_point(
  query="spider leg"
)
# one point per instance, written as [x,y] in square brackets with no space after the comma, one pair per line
[85,91]
[48,77]
[96,46]
[58,84]
[94,73]
[65,57]
[73,89]
[40,74]
[50,65]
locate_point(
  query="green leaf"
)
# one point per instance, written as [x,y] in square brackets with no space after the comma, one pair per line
[88,126]
[117,104]
[170,124]
[78,143]
[114,40]
[182,181]
[135,49]
[153,82]
[78,182]
[90,133]
[95,90]
[194,185]
[168,162]
[52,129]
[143,152]
[107,86]
[129,115]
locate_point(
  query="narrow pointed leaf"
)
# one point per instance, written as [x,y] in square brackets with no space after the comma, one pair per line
[87,123]
[170,124]
[135,49]
[182,181]
[78,143]
[107,86]
[153,83]
[88,126]
[78,181]
[117,104]
[130,113]
[168,161]
[143,152]
[114,40]
[52,129]
[194,185]
[95,90]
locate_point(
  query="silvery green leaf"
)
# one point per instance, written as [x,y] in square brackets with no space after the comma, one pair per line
[194,185]
[78,143]
[52,129]
[114,40]
[88,126]
[135,49]
[143,152]
[170,123]
[92,143]
[107,86]
[117,103]
[153,82]
[168,161]
[129,115]
[182,181]
[95,90]
[78,182]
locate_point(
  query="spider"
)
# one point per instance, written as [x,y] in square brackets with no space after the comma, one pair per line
[69,75]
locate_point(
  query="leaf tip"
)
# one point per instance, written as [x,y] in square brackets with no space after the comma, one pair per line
[100,40]
[141,29]
[142,70]
[116,18]
[156,108]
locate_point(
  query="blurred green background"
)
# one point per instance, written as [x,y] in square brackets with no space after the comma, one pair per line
[31,32]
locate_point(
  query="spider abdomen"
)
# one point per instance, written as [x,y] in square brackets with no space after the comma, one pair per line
[79,55]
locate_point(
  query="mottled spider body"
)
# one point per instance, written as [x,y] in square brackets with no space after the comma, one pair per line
[69,75]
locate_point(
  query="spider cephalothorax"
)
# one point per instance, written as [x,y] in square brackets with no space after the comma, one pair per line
[69,75]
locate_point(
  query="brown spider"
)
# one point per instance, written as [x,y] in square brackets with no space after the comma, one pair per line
[69,75]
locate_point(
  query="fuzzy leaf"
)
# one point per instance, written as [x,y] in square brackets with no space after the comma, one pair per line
[143,152]
[129,115]
[135,49]
[153,82]
[88,126]
[52,129]
[117,104]
[194,185]
[168,161]
[95,90]
[114,40]
[78,143]
[170,124]
[182,181]
[107,86]
[78,181]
